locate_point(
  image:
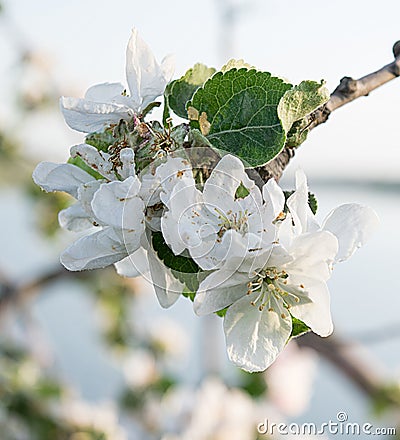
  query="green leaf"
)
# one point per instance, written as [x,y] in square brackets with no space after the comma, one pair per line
[298,133]
[298,328]
[237,111]
[183,268]
[300,101]
[101,141]
[236,64]
[180,91]
[77,161]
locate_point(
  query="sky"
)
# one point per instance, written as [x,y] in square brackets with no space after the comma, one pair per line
[85,41]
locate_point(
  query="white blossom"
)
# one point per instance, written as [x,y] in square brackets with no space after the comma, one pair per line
[108,103]
[214,223]
[265,288]
[113,206]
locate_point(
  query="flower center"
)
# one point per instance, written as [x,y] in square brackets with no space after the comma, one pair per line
[269,286]
[236,221]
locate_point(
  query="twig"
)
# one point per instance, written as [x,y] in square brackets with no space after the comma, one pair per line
[343,355]
[348,90]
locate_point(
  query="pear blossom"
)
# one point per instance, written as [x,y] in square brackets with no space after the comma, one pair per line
[108,103]
[265,288]
[109,210]
[213,223]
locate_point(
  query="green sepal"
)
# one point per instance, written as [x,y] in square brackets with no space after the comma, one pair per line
[298,328]
[101,141]
[77,161]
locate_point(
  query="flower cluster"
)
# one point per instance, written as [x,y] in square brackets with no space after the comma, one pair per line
[152,199]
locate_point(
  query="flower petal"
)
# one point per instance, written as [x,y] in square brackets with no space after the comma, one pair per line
[219,290]
[127,169]
[220,188]
[317,313]
[304,219]
[144,75]
[116,204]
[255,338]
[60,177]
[74,218]
[88,117]
[94,251]
[133,265]
[313,255]
[105,92]
[352,224]
[95,159]
[168,289]
[274,199]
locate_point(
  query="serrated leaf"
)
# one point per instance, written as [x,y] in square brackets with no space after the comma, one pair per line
[236,64]
[298,328]
[300,101]
[180,91]
[298,133]
[241,107]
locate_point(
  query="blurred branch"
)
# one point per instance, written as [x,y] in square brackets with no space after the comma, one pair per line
[348,90]
[343,355]
[12,292]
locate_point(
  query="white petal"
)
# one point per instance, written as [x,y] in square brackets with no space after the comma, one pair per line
[174,170]
[352,224]
[144,75]
[127,157]
[150,189]
[133,265]
[105,92]
[316,314]
[210,299]
[95,159]
[94,251]
[86,193]
[274,198]
[255,338]
[313,255]
[88,117]
[168,289]
[297,203]
[168,67]
[117,204]
[74,218]
[220,188]
[60,177]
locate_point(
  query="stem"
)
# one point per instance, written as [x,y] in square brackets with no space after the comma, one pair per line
[348,90]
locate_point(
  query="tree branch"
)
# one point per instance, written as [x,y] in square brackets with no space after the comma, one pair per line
[343,355]
[348,90]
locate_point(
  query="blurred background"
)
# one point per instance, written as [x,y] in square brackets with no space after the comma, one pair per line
[93,356]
